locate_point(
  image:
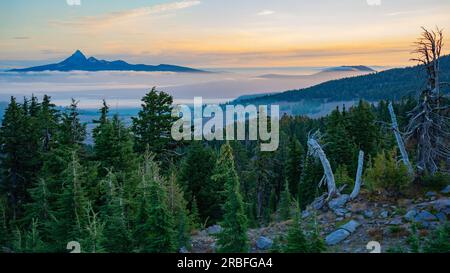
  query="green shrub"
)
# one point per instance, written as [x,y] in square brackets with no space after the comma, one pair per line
[435,182]
[342,178]
[439,240]
[387,174]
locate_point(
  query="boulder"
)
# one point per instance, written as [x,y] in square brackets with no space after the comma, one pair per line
[214,229]
[368,213]
[441,204]
[351,226]
[338,202]
[396,222]
[340,212]
[430,194]
[264,243]
[336,237]
[424,216]
[409,216]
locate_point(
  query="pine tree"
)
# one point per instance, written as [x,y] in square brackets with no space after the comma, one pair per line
[114,147]
[194,177]
[93,237]
[233,238]
[152,127]
[194,215]
[72,131]
[363,129]
[13,139]
[48,118]
[178,208]
[71,203]
[285,203]
[154,224]
[340,147]
[40,209]
[294,165]
[309,181]
[112,212]
[4,230]
[297,241]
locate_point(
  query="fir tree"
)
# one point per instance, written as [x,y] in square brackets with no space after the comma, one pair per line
[13,139]
[71,203]
[115,228]
[153,125]
[154,224]
[233,238]
[72,131]
[309,181]
[294,165]
[48,119]
[177,207]
[195,178]
[285,203]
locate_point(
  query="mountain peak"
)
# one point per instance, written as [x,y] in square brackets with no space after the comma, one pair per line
[78,53]
[76,58]
[78,61]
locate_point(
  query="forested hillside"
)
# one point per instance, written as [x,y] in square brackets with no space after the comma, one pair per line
[391,84]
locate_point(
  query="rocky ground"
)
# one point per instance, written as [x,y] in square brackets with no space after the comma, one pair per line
[348,226]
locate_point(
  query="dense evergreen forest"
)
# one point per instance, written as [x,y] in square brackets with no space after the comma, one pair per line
[134,191]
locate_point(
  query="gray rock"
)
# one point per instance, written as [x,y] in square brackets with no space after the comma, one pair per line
[368,213]
[430,194]
[318,203]
[424,216]
[446,190]
[351,226]
[340,211]
[338,202]
[441,204]
[336,237]
[409,216]
[441,216]
[214,229]
[396,222]
[264,243]
[338,219]
[384,214]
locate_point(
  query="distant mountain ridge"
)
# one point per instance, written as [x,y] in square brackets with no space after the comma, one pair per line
[78,61]
[361,68]
[389,84]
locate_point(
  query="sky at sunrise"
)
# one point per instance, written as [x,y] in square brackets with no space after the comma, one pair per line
[217,33]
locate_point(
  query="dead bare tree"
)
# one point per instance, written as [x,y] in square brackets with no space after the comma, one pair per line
[358,179]
[316,150]
[429,126]
[399,139]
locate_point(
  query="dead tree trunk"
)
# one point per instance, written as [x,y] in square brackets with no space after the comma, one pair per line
[429,122]
[400,143]
[316,150]
[359,171]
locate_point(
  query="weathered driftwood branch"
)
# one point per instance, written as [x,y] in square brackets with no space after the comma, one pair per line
[398,137]
[359,171]
[316,150]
